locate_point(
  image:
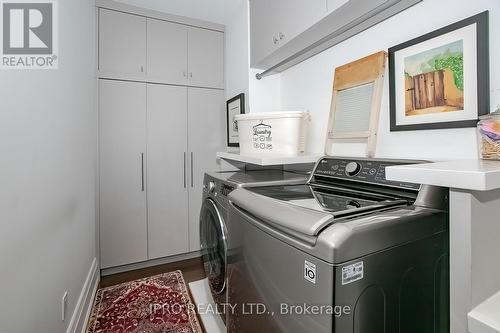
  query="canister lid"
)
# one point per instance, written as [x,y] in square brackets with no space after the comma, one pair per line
[272,115]
[494,114]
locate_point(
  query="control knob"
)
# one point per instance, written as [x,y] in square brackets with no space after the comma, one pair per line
[211,187]
[352,169]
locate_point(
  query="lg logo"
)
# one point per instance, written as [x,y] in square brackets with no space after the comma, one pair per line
[28,34]
[310,271]
[310,274]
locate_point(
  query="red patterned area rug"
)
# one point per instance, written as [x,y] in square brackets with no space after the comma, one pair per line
[158,304]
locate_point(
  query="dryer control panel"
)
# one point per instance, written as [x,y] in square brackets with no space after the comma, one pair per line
[217,190]
[225,189]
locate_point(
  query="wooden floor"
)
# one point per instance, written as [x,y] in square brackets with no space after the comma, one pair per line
[191,269]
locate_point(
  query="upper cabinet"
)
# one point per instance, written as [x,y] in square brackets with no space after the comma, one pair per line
[263,29]
[295,16]
[332,5]
[274,23]
[286,32]
[206,58]
[141,48]
[167,52]
[122,43]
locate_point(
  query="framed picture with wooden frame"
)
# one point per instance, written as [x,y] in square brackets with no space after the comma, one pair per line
[441,79]
[356,98]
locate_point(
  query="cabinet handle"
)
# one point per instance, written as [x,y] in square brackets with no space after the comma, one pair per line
[192,171]
[184,74]
[281,35]
[142,69]
[185,166]
[190,74]
[142,172]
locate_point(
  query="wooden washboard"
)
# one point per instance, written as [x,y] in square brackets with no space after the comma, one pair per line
[356,98]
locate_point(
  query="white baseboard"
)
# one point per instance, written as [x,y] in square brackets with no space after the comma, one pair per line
[85,301]
[150,263]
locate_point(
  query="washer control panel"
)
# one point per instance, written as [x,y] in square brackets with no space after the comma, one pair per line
[367,171]
[353,168]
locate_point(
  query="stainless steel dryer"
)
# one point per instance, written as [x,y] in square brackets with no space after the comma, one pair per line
[213,231]
[348,252]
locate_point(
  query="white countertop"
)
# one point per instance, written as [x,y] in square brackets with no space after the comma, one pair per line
[485,318]
[475,175]
[264,160]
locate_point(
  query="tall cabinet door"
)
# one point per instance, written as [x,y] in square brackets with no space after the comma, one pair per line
[122,141]
[167,52]
[167,171]
[206,133]
[206,58]
[122,43]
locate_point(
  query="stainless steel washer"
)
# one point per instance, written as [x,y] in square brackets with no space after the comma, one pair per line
[349,252]
[213,216]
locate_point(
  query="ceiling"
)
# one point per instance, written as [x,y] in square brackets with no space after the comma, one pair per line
[218,11]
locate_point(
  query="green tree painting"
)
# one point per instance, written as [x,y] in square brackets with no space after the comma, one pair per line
[456,64]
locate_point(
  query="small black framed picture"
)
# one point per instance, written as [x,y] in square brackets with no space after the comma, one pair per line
[234,106]
[441,79]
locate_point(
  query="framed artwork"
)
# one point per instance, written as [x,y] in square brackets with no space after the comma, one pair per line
[234,106]
[441,79]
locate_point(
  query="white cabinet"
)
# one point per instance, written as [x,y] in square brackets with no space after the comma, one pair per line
[161,122]
[263,28]
[133,47]
[274,23]
[206,128]
[185,130]
[206,58]
[335,4]
[167,171]
[167,52]
[122,43]
[156,142]
[296,16]
[122,148]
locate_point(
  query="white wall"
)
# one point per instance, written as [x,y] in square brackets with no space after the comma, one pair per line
[47,209]
[236,55]
[265,94]
[308,84]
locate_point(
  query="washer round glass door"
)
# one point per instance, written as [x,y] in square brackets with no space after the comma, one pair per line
[213,245]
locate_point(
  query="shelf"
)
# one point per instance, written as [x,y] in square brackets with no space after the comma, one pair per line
[485,317]
[264,160]
[476,175]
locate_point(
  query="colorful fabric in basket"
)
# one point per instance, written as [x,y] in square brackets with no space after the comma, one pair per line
[490,130]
